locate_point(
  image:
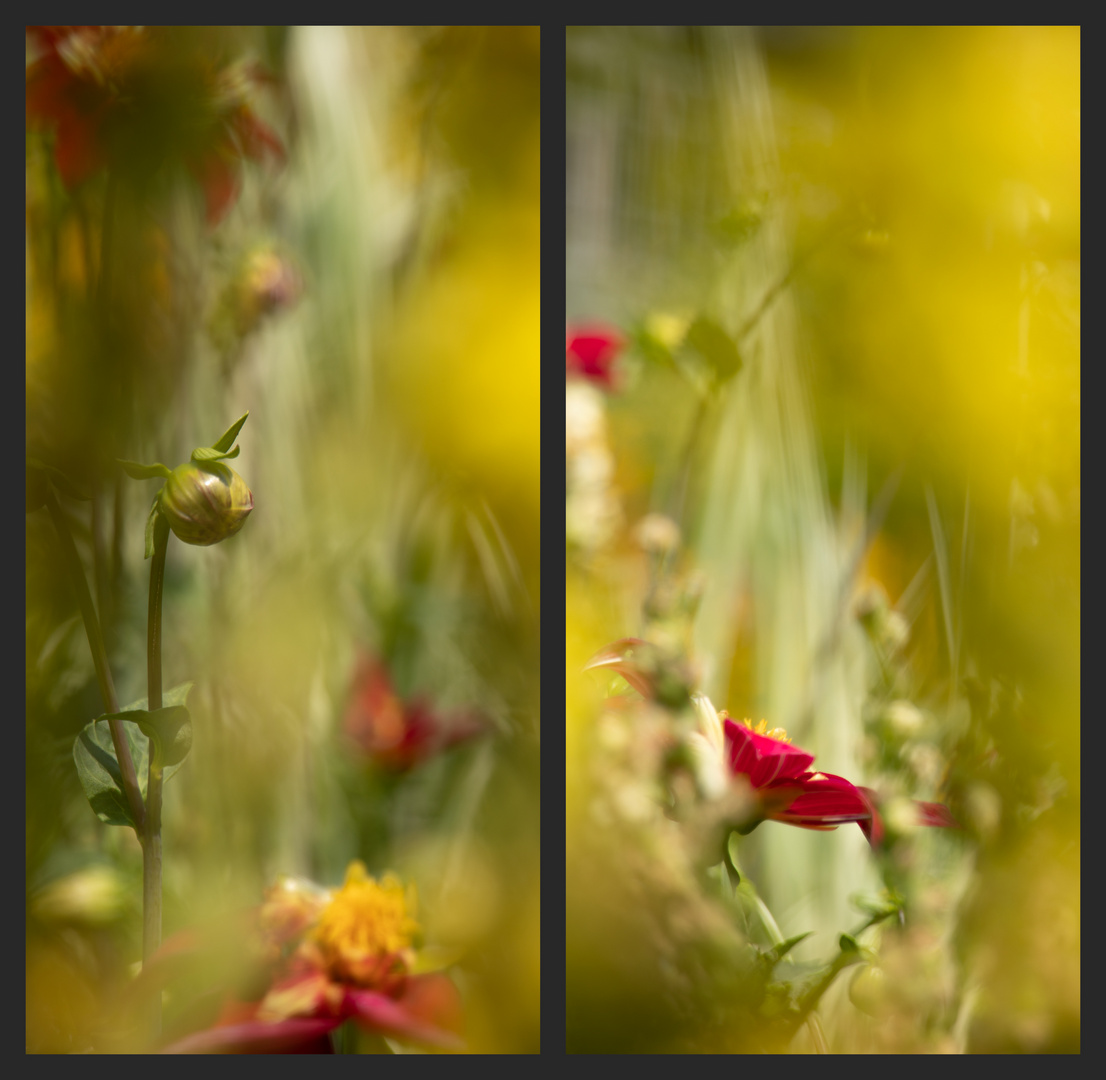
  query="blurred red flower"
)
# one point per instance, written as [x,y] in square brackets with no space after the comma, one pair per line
[334,955]
[119,95]
[590,352]
[395,734]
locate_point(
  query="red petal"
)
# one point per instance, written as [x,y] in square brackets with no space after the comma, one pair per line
[761,758]
[48,83]
[256,136]
[591,352]
[218,176]
[829,799]
[873,829]
[427,1014]
[77,149]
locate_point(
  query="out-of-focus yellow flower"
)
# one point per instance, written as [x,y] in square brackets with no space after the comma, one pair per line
[366,921]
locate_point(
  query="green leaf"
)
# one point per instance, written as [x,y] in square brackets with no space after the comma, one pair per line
[151,521]
[227,440]
[848,944]
[209,453]
[715,346]
[174,730]
[98,768]
[99,773]
[137,471]
[171,731]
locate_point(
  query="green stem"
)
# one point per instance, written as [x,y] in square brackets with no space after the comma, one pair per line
[151,862]
[99,659]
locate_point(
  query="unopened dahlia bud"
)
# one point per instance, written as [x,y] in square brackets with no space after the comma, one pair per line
[205,502]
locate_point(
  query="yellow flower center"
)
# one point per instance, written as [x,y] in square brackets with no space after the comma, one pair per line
[365,920]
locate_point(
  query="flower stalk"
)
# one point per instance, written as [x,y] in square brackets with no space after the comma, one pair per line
[151,847]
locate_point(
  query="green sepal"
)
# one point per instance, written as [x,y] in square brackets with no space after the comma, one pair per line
[62,482]
[848,944]
[98,767]
[226,440]
[137,471]
[151,522]
[210,453]
[715,346]
[778,952]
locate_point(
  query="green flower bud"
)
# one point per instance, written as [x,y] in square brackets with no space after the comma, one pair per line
[205,502]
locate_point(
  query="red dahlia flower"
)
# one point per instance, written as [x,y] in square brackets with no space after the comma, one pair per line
[791,793]
[778,772]
[590,352]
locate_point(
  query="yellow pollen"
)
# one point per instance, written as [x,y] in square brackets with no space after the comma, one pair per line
[777,733]
[366,919]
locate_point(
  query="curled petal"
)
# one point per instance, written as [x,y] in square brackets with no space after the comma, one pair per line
[616,657]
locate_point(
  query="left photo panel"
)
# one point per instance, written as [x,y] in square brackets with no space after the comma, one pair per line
[282,667]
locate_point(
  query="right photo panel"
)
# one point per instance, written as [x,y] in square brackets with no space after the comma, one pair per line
[822,540]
